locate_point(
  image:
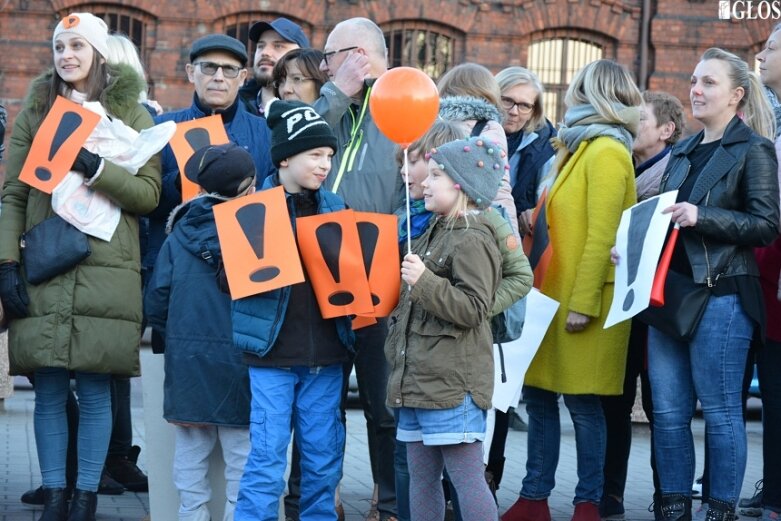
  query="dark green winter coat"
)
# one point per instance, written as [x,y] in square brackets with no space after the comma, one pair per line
[89,318]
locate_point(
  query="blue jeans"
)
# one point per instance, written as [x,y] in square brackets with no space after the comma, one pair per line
[51,425]
[544,438]
[307,397]
[709,368]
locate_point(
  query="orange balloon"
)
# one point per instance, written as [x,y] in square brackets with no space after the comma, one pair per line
[404,103]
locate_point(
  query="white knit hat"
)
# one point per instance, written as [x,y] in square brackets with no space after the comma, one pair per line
[89,27]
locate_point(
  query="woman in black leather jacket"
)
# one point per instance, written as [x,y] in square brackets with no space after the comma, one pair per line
[728,203]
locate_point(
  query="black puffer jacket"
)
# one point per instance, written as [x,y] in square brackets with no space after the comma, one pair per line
[737,202]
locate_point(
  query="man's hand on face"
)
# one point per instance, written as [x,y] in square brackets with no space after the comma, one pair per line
[351,73]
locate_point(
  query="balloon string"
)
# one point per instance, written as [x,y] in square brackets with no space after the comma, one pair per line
[406,185]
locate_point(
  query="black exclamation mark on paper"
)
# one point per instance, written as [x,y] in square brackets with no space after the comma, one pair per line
[329,238]
[68,124]
[197,138]
[369,234]
[639,220]
[252,219]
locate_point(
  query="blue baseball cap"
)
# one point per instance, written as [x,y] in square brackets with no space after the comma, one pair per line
[288,30]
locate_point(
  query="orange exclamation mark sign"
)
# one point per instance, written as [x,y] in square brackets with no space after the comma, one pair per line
[379,236]
[57,143]
[331,252]
[245,226]
[329,237]
[252,219]
[191,136]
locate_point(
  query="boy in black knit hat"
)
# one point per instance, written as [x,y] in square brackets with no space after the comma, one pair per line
[295,355]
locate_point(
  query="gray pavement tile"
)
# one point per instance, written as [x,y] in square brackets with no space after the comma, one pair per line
[19,467]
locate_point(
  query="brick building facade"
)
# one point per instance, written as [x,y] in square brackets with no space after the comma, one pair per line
[552,37]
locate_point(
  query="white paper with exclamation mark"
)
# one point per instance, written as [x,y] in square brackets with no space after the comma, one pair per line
[639,242]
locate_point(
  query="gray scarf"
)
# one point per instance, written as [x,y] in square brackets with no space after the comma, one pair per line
[773,99]
[583,122]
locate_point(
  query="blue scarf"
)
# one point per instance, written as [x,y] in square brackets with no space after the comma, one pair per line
[419,218]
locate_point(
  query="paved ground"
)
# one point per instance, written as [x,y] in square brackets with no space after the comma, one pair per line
[19,467]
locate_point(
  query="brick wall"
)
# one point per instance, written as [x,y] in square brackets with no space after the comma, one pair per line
[496,33]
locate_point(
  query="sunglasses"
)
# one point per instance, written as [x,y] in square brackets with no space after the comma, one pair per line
[211,68]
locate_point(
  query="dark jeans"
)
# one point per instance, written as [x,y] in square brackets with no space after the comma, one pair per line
[371,369]
[768,365]
[122,431]
[618,415]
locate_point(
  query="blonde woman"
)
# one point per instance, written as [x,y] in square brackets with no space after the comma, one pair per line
[578,358]
[726,177]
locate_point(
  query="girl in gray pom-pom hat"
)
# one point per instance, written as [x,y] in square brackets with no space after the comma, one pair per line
[439,342]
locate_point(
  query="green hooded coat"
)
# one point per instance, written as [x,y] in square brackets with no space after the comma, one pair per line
[89,318]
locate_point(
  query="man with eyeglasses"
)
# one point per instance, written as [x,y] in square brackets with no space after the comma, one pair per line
[364,173]
[273,40]
[217,69]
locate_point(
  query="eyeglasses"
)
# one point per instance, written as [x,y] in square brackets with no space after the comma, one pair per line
[297,81]
[509,103]
[211,68]
[328,54]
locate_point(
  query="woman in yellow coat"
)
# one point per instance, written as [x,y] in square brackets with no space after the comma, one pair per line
[578,358]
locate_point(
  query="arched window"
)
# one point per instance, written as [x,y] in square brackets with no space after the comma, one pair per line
[128,21]
[556,61]
[429,47]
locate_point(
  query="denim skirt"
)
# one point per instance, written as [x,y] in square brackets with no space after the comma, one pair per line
[464,423]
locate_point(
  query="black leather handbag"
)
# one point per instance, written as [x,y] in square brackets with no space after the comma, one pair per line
[51,247]
[684,305]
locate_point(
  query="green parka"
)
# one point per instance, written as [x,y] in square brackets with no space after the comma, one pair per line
[439,343]
[88,319]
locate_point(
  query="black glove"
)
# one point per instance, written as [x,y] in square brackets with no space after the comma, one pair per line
[87,163]
[12,291]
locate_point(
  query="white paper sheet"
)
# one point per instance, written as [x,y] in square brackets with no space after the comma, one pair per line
[518,355]
[639,242]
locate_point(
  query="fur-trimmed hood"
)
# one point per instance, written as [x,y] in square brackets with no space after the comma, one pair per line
[119,97]
[462,108]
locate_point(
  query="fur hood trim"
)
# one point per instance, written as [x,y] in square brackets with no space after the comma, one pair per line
[462,108]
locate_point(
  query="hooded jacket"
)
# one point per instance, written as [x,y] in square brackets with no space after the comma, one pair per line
[89,318]
[184,302]
[439,345]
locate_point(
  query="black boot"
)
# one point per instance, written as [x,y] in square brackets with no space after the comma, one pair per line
[719,511]
[55,508]
[124,470]
[676,507]
[34,496]
[83,505]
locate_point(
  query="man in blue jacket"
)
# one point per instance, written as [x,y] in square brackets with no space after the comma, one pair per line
[217,70]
